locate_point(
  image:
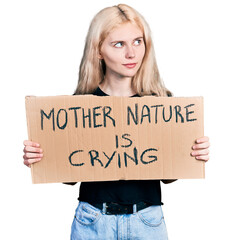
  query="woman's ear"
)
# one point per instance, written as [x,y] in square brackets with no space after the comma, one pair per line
[99,53]
[100,56]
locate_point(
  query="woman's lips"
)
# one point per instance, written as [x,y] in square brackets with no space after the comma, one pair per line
[130,65]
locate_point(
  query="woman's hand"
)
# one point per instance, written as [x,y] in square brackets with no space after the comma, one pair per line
[201,149]
[32,153]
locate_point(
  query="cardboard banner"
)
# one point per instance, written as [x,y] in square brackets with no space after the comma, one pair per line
[92,138]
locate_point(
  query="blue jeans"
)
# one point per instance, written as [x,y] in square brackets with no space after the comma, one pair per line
[91,223]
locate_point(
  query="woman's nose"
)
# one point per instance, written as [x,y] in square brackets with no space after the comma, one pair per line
[130,52]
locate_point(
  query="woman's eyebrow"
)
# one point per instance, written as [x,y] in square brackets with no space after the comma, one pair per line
[116,41]
[138,38]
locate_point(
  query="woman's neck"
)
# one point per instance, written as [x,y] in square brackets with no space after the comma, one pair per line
[117,86]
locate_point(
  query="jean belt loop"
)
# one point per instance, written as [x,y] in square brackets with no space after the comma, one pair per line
[134,208]
[104,208]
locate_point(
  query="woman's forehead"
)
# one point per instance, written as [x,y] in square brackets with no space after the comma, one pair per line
[125,31]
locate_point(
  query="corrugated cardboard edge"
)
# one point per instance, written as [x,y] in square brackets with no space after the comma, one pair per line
[203,127]
[201,99]
[27,99]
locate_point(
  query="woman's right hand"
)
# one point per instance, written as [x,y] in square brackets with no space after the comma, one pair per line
[32,153]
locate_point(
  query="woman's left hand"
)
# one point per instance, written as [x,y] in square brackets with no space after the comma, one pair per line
[201,149]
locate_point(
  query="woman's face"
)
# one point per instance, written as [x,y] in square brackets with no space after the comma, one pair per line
[123,51]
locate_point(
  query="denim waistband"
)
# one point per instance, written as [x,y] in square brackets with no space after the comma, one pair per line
[116,208]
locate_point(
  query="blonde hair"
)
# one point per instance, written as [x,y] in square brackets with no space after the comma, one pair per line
[146,81]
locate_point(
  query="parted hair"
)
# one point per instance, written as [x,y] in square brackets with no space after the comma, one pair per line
[92,69]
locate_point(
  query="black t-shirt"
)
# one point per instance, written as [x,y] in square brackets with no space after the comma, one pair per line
[122,191]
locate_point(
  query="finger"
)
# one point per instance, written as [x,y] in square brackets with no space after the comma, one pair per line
[201,145]
[202,140]
[30,143]
[28,162]
[200,152]
[29,155]
[203,158]
[32,149]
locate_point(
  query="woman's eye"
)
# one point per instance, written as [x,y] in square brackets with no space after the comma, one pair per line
[119,44]
[137,42]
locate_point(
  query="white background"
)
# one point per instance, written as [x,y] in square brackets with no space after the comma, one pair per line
[41,45]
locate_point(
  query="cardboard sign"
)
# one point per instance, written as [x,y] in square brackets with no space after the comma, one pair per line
[92,138]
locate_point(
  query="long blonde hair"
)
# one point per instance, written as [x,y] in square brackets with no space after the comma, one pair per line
[146,81]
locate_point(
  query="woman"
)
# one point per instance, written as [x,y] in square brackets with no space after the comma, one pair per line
[119,60]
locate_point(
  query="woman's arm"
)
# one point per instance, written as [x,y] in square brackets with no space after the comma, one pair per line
[169,181]
[70,183]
